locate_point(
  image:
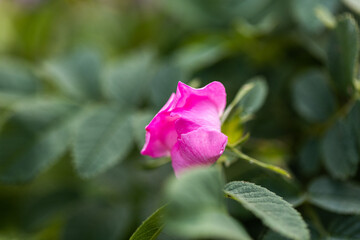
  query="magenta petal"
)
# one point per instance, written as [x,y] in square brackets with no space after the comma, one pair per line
[214,91]
[196,113]
[160,136]
[201,147]
[160,133]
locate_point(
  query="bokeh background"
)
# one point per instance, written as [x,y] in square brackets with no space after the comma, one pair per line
[79,80]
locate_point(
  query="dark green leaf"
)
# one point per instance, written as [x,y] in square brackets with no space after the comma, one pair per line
[33,138]
[309,159]
[312,96]
[127,80]
[339,151]
[353,119]
[103,139]
[249,99]
[151,227]
[270,235]
[275,213]
[97,223]
[345,228]
[343,52]
[336,196]
[44,209]
[77,75]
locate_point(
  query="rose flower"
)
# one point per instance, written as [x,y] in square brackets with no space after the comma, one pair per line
[188,127]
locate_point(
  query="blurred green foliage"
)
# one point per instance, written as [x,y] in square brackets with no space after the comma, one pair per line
[79,80]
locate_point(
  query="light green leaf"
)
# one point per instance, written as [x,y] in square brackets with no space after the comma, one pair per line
[77,74]
[127,80]
[287,188]
[275,212]
[339,151]
[33,138]
[343,52]
[200,55]
[353,5]
[210,224]
[197,208]
[17,78]
[151,227]
[249,99]
[304,12]
[336,196]
[312,97]
[253,100]
[325,16]
[103,139]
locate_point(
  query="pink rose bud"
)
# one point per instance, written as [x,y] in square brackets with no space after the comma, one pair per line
[188,127]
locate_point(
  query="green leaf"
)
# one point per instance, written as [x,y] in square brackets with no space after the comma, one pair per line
[287,188]
[343,52]
[253,100]
[77,74]
[103,139]
[336,196]
[200,55]
[197,208]
[139,121]
[43,210]
[345,228]
[17,78]
[309,159]
[353,5]
[304,13]
[353,119]
[249,99]
[33,138]
[339,151]
[97,223]
[164,83]
[270,235]
[126,81]
[312,97]
[275,212]
[325,16]
[151,227]
[196,14]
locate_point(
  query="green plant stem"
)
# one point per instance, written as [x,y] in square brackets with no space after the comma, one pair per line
[259,163]
[315,220]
